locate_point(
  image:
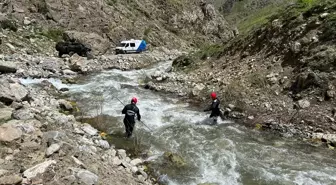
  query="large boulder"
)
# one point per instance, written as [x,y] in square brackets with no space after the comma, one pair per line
[7,67]
[10,92]
[98,44]
[9,133]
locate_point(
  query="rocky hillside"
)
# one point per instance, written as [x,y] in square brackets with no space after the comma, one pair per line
[103,23]
[281,76]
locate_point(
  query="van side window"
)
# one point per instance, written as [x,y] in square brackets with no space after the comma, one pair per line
[127,45]
[132,44]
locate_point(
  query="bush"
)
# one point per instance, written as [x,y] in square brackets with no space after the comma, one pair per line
[9,24]
[53,34]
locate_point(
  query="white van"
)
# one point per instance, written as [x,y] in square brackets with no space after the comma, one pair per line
[131,46]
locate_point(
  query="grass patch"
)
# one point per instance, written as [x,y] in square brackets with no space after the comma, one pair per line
[53,34]
[257,80]
[211,51]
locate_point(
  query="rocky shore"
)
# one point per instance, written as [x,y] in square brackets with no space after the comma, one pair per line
[42,145]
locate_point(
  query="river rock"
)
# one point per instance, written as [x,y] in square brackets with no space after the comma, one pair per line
[54,136]
[89,130]
[68,72]
[303,104]
[5,114]
[87,177]
[103,144]
[65,105]
[116,161]
[23,114]
[10,92]
[10,180]
[7,67]
[122,154]
[52,149]
[136,162]
[9,133]
[38,169]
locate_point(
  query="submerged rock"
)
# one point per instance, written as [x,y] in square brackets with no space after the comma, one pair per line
[174,159]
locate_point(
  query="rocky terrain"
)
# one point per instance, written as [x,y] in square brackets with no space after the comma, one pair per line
[103,24]
[279,77]
[40,143]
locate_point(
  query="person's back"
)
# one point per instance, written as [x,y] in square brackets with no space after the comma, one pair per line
[130,111]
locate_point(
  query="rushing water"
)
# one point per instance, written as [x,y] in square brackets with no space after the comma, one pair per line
[226,154]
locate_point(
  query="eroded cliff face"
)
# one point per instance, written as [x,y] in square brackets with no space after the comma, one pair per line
[168,23]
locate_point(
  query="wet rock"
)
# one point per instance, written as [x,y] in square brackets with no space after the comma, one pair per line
[10,180]
[38,169]
[68,72]
[5,114]
[65,105]
[9,133]
[174,159]
[303,104]
[90,130]
[87,177]
[7,67]
[64,89]
[23,114]
[52,149]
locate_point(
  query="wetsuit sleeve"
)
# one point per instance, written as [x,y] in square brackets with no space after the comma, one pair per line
[124,110]
[138,115]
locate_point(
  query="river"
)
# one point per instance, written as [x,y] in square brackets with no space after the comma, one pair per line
[226,154]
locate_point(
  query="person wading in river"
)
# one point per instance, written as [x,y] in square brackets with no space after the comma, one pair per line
[130,111]
[214,108]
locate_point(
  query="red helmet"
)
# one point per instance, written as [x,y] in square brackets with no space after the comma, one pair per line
[213,95]
[134,100]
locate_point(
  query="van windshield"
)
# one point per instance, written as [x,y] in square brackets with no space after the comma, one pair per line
[122,45]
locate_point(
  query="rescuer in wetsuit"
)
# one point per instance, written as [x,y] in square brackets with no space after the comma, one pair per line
[214,108]
[130,111]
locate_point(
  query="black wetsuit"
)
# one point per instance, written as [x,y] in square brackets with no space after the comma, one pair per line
[130,111]
[215,110]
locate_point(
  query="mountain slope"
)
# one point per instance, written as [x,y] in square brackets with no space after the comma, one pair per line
[171,23]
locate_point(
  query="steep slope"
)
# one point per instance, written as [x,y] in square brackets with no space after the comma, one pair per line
[170,23]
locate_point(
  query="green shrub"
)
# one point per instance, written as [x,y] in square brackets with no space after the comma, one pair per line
[9,24]
[53,34]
